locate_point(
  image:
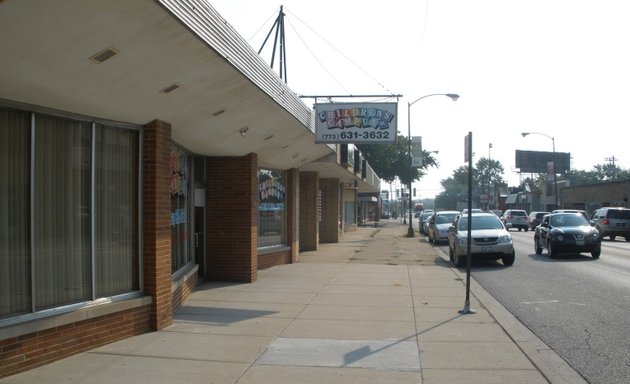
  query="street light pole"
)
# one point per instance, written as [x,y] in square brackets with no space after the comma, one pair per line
[553,162]
[453,97]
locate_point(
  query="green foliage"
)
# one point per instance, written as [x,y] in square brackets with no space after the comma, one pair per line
[391,161]
[486,175]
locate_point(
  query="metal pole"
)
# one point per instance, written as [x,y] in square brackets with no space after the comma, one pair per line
[553,164]
[467,310]
[453,97]
[410,229]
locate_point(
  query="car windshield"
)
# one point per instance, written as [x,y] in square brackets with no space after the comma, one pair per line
[480,222]
[518,213]
[568,220]
[445,218]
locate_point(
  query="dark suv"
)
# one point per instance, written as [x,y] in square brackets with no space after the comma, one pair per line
[612,222]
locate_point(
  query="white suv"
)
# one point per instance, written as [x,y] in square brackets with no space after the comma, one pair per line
[515,218]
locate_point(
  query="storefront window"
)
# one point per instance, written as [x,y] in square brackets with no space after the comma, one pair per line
[271,208]
[180,162]
[68,211]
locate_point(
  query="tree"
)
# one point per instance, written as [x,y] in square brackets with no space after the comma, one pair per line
[489,174]
[391,161]
[486,175]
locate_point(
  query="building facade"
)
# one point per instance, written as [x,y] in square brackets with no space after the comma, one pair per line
[155,151]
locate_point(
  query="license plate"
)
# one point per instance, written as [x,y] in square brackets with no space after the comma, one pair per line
[621,224]
[579,242]
[486,249]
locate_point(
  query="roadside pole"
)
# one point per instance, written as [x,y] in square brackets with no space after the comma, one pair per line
[468,157]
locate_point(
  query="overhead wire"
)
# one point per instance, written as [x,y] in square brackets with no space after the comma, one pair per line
[338,51]
[316,58]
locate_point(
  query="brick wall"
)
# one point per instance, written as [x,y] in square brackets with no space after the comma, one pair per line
[18,354]
[309,228]
[271,259]
[156,222]
[184,289]
[232,206]
[329,226]
[293,201]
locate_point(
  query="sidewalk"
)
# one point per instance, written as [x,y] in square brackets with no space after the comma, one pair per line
[377,307]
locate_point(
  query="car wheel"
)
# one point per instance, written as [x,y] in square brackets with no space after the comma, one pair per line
[508,259]
[627,238]
[596,252]
[537,247]
[458,260]
[612,237]
[552,250]
[526,229]
[520,229]
[450,253]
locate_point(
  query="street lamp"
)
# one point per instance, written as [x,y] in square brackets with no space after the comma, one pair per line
[553,162]
[453,97]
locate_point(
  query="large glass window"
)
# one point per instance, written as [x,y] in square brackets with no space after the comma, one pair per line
[62,230]
[180,161]
[272,222]
[116,221]
[15,279]
[68,211]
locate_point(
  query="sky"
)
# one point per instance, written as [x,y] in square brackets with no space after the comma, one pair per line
[555,67]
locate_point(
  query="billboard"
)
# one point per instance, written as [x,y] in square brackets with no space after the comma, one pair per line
[356,123]
[539,162]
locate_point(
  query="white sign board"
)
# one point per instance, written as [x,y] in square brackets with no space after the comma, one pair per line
[356,123]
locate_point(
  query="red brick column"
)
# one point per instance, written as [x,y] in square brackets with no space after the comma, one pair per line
[232,206]
[331,209]
[309,226]
[157,222]
[293,190]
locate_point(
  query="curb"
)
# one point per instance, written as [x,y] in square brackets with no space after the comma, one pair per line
[553,367]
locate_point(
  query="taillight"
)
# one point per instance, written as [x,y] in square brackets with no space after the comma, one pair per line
[605,222]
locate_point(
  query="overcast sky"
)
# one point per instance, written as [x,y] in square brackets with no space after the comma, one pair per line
[558,67]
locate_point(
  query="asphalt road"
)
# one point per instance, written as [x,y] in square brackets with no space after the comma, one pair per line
[577,305]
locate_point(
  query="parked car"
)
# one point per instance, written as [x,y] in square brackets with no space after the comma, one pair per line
[497,212]
[422,224]
[489,239]
[581,212]
[515,218]
[439,223]
[566,232]
[535,218]
[612,222]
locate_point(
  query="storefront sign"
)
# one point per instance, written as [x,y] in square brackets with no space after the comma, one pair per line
[357,123]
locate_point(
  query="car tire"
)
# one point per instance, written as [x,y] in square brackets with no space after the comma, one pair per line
[458,260]
[596,252]
[450,253]
[526,229]
[627,238]
[508,260]
[537,247]
[612,237]
[553,253]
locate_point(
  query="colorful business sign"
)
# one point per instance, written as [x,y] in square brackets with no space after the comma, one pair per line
[356,123]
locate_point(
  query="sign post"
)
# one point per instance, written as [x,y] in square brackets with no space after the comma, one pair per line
[468,154]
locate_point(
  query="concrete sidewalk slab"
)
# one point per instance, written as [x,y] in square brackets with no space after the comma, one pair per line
[377,307]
